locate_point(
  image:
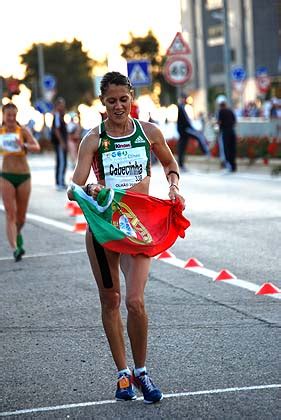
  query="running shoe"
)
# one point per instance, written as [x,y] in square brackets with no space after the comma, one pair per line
[151,394]
[18,253]
[125,390]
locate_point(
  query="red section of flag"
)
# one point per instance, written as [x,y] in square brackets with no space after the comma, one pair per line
[158,222]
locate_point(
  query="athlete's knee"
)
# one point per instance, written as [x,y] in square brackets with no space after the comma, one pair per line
[110,300]
[20,222]
[11,216]
[135,305]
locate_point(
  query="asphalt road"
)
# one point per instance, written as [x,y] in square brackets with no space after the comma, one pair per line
[214,346]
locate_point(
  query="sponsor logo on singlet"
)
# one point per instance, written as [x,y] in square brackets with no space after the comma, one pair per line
[139,139]
[123,145]
[118,154]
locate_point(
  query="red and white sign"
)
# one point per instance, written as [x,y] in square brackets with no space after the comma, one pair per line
[177,70]
[179,46]
[263,83]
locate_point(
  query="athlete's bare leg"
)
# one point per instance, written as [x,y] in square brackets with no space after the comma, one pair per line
[9,201]
[110,298]
[22,199]
[136,270]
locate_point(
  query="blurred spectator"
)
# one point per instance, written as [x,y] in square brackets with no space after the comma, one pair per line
[275,108]
[59,139]
[74,137]
[227,121]
[251,110]
[186,130]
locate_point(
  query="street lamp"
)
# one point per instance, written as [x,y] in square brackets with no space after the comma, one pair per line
[223,17]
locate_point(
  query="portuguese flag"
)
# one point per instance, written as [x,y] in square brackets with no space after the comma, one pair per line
[132,223]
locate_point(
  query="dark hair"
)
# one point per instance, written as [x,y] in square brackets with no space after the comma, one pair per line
[9,105]
[115,78]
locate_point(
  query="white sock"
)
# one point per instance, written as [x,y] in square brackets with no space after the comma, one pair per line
[123,371]
[139,371]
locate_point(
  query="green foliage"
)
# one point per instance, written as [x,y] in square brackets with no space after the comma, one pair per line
[71,67]
[148,48]
[139,48]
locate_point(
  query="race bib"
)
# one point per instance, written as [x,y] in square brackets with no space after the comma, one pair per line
[9,143]
[124,168]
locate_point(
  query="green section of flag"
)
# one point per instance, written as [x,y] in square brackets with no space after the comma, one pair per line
[98,213]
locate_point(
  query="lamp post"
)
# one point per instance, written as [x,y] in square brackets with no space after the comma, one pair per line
[223,17]
[41,69]
[226,50]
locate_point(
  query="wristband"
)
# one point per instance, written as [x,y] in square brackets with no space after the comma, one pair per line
[174,185]
[173,172]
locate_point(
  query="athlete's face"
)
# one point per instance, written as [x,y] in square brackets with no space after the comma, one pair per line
[10,117]
[117,100]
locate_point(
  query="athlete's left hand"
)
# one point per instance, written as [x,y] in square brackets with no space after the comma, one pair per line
[174,195]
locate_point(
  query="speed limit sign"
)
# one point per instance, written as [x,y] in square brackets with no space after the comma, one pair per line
[177,70]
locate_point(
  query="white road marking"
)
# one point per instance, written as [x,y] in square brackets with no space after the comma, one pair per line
[172,261]
[173,395]
[47,254]
[212,274]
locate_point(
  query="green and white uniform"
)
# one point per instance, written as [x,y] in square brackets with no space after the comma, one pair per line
[122,161]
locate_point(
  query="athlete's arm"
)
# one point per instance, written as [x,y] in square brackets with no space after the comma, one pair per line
[30,142]
[166,158]
[87,148]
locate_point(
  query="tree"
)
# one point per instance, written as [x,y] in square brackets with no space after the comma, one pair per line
[148,48]
[71,67]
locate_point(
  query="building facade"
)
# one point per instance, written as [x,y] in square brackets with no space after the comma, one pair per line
[254,44]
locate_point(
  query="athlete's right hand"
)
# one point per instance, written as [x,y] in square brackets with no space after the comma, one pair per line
[93,189]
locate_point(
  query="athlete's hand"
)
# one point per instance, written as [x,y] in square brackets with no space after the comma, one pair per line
[174,195]
[93,189]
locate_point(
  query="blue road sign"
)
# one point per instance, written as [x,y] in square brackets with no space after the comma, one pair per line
[238,74]
[43,106]
[49,82]
[138,72]
[261,71]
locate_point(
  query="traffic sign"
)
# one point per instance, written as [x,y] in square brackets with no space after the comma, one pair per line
[261,71]
[43,106]
[177,70]
[179,46]
[138,72]
[263,83]
[49,82]
[238,74]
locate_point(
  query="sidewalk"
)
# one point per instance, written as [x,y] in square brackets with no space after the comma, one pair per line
[243,165]
[46,160]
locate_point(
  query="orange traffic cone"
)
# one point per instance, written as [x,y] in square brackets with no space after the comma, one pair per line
[165,254]
[69,205]
[75,210]
[268,288]
[225,275]
[193,262]
[80,223]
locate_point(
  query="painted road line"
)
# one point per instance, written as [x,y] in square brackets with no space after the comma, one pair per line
[172,395]
[47,221]
[213,274]
[172,261]
[47,254]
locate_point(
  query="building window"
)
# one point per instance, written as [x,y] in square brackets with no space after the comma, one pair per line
[213,4]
